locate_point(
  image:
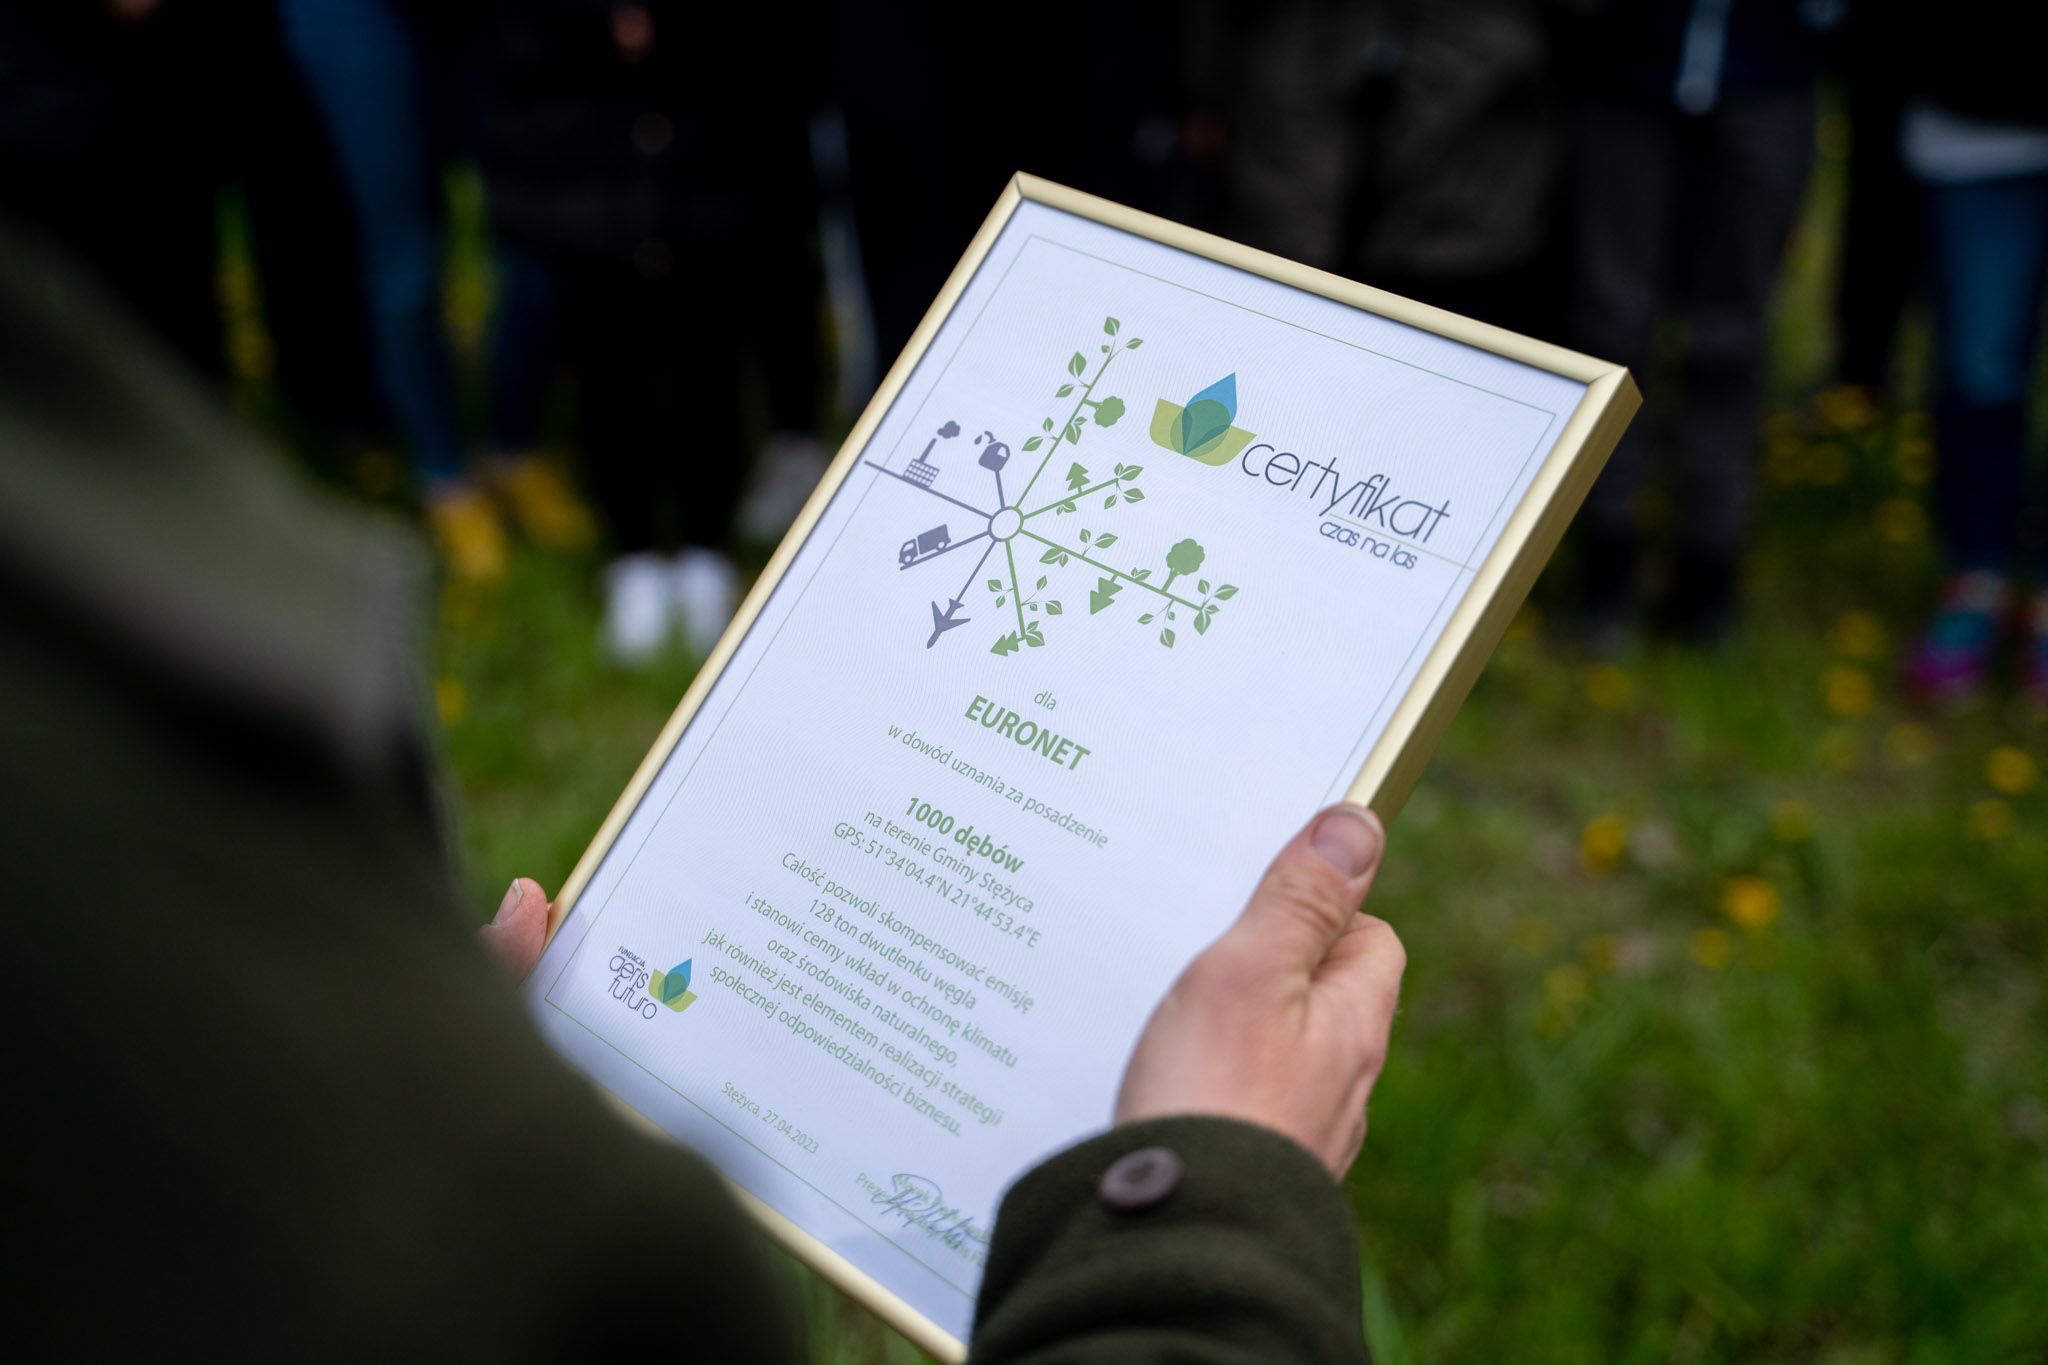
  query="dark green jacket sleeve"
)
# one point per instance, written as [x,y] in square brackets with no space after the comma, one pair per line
[1250,1256]
[273,1100]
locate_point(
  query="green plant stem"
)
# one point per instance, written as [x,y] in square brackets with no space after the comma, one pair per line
[1113,573]
[1072,496]
[1016,592]
[1065,426]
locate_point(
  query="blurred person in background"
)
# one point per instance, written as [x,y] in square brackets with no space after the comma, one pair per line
[944,101]
[1881,239]
[654,211]
[122,126]
[1413,147]
[110,140]
[1975,136]
[1690,141]
[389,79]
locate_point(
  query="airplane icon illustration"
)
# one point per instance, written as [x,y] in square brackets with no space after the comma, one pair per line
[945,621]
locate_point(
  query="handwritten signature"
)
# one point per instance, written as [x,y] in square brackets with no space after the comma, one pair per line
[919,1202]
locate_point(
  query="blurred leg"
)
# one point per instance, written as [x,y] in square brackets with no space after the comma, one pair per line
[368,73]
[660,412]
[1742,191]
[1990,263]
[1624,172]
[524,347]
[1880,232]
[305,244]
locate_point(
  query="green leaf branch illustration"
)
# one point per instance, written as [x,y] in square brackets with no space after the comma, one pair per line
[1185,559]
[1103,412]
[1121,485]
[1028,632]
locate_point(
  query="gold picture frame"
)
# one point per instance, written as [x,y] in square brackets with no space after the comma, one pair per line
[1447,673]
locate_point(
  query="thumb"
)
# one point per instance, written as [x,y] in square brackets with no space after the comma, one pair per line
[518,931]
[1311,891]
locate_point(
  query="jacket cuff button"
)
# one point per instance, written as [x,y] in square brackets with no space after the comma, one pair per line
[1138,1180]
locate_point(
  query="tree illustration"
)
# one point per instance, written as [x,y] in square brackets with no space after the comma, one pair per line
[1119,490]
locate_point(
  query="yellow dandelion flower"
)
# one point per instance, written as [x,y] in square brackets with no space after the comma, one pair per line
[1602,843]
[1792,821]
[451,699]
[1751,902]
[1901,521]
[1857,634]
[2011,770]
[1846,407]
[1711,948]
[1848,692]
[1608,687]
[1909,744]
[1566,986]
[1991,820]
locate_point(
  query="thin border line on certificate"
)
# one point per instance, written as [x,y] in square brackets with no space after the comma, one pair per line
[1460,572]
[883,1233]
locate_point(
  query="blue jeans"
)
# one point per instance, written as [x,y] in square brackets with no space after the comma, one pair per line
[1990,270]
[375,84]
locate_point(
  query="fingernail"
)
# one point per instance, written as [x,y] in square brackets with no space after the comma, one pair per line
[513,895]
[1348,838]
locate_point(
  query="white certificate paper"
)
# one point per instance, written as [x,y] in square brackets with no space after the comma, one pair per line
[1124,585]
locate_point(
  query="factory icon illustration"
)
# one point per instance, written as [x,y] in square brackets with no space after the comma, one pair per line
[984,514]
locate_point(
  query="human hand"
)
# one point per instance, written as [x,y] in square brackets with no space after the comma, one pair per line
[1283,1021]
[517,932]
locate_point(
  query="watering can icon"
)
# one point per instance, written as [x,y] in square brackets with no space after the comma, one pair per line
[997,455]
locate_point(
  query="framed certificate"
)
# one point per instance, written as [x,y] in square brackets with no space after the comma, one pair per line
[1148,546]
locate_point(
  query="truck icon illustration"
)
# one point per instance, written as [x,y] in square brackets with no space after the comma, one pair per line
[924,547]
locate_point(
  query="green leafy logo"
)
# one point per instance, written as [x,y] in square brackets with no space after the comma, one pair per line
[1005,527]
[1201,428]
[672,987]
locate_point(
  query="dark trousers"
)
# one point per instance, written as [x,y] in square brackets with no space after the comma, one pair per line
[1990,268]
[657,414]
[1688,215]
[1881,247]
[384,93]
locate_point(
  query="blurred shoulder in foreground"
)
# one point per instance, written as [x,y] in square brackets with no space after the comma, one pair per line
[268,1084]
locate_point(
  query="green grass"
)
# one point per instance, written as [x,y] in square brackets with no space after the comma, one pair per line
[1725,1017]
[1726,1023]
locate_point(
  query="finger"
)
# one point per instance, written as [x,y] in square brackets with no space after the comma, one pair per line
[1360,980]
[1312,889]
[516,933]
